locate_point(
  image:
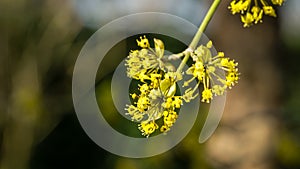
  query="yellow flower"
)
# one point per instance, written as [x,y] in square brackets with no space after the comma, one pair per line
[269,10]
[177,102]
[143,103]
[197,70]
[252,10]
[228,65]
[147,127]
[143,42]
[247,19]
[257,14]
[277,2]
[168,103]
[231,78]
[239,7]
[206,95]
[169,119]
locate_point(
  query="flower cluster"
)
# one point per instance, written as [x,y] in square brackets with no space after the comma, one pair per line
[156,97]
[142,62]
[252,11]
[209,70]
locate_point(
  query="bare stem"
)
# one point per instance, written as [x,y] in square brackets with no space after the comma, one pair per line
[199,33]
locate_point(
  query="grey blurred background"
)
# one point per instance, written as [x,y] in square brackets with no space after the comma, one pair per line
[39,44]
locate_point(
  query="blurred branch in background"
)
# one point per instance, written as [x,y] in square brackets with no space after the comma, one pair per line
[248,134]
[40,40]
[252,126]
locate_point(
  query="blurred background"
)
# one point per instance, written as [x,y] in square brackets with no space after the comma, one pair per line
[40,42]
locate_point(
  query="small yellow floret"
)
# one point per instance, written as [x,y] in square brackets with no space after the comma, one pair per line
[147,128]
[257,14]
[247,19]
[277,2]
[269,10]
[144,42]
[206,95]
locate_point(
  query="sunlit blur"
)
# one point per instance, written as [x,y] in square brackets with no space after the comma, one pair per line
[95,13]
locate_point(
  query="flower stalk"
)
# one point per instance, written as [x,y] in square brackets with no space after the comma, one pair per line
[199,33]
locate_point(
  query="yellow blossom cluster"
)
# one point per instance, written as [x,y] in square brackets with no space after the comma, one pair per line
[252,11]
[156,97]
[140,62]
[208,70]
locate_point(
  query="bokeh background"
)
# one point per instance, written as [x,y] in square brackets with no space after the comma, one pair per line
[39,44]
